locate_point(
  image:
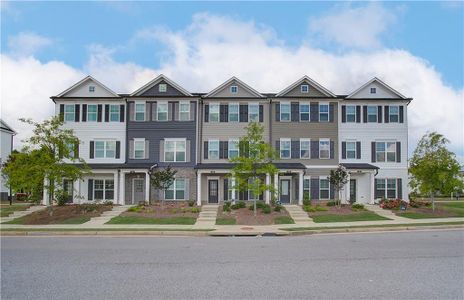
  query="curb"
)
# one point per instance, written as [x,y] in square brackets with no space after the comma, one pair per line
[103,233]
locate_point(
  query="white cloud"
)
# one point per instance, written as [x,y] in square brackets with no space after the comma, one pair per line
[354,27]
[27,43]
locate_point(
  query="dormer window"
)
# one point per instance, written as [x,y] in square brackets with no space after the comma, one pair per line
[304,88]
[373,90]
[162,87]
[234,89]
[91,89]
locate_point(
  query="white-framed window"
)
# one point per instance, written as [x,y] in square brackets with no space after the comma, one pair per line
[373,90]
[324,189]
[233,149]
[91,89]
[231,191]
[176,191]
[234,89]
[139,148]
[105,149]
[140,111]
[214,112]
[175,150]
[306,187]
[304,88]
[213,149]
[324,148]
[304,112]
[394,113]
[385,151]
[285,112]
[350,150]
[251,195]
[350,113]
[69,111]
[70,147]
[372,114]
[92,111]
[98,189]
[184,111]
[253,112]
[162,111]
[305,148]
[234,112]
[391,188]
[323,112]
[114,113]
[285,148]
[162,87]
[386,188]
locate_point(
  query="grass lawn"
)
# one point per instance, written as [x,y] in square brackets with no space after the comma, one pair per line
[159,221]
[443,210]
[6,210]
[76,220]
[226,221]
[283,220]
[361,216]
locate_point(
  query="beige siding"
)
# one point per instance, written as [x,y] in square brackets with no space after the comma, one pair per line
[241,92]
[313,91]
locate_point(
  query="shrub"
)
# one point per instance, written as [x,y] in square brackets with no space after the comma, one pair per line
[357,206]
[306,199]
[135,208]
[392,203]
[278,208]
[320,208]
[417,204]
[260,204]
[241,204]
[61,197]
[173,211]
[331,203]
[191,203]
[195,210]
[267,209]
[309,208]
[108,202]
[86,208]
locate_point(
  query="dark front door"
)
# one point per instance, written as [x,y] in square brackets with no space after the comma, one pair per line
[68,188]
[285,190]
[138,190]
[352,190]
[213,191]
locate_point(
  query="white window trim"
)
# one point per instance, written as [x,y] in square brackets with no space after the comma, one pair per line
[390,114]
[328,189]
[91,89]
[218,113]
[307,177]
[89,112]
[175,190]
[158,105]
[249,111]
[355,149]
[104,189]
[180,105]
[328,111]
[374,89]
[68,113]
[346,113]
[144,110]
[376,114]
[280,148]
[229,149]
[118,113]
[232,87]
[309,111]
[289,112]
[238,112]
[385,152]
[135,142]
[323,140]
[301,88]
[165,88]
[175,149]
[105,147]
[209,148]
[305,140]
[385,182]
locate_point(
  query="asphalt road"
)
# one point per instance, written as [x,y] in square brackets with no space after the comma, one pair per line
[402,265]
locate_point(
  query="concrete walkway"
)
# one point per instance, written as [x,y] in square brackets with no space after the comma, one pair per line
[298,215]
[22,213]
[207,216]
[385,213]
[107,215]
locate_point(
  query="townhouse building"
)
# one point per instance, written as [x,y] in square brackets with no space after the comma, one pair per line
[6,147]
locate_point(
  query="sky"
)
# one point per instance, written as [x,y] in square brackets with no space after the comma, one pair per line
[415,47]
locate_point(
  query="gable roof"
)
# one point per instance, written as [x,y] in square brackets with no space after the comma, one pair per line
[4,126]
[88,77]
[158,79]
[232,79]
[375,79]
[319,87]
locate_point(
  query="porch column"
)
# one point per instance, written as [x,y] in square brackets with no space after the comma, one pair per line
[122,185]
[116,187]
[346,189]
[300,188]
[147,187]
[46,196]
[276,185]
[372,184]
[267,194]
[76,191]
[198,188]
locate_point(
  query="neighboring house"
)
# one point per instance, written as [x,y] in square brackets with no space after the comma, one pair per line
[6,142]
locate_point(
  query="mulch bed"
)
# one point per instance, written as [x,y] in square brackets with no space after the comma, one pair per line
[334,210]
[245,216]
[167,210]
[62,213]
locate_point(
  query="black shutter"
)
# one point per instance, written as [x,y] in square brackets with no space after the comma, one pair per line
[76,149]
[277,111]
[243,113]
[295,149]
[107,112]
[245,195]
[77,113]
[121,113]
[398,151]
[343,114]
[343,150]
[314,149]
[314,188]
[401,114]
[278,147]
[364,114]
[358,113]
[226,189]
[358,150]
[246,152]
[62,112]
[226,113]
[84,112]
[331,191]
[99,116]
[373,151]
[331,112]
[399,188]
[90,188]
[118,149]
[221,149]
[261,113]
[205,154]
[314,111]
[226,149]
[206,113]
[91,149]
[387,114]
[379,114]
[222,113]
[332,149]
[295,111]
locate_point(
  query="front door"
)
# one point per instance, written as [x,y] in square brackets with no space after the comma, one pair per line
[213,191]
[138,190]
[285,190]
[68,188]
[352,190]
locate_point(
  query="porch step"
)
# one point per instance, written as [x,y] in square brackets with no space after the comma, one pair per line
[22,213]
[108,215]
[298,215]
[207,216]
[383,212]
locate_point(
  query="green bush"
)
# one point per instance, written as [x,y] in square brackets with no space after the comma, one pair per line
[306,199]
[331,203]
[195,210]
[320,208]
[278,208]
[260,204]
[191,203]
[241,204]
[135,208]
[357,206]
[226,207]
[173,211]
[267,209]
[309,208]
[61,197]
[86,208]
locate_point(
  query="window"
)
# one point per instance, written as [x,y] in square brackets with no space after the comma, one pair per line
[350,150]
[233,149]
[233,112]
[109,189]
[372,114]
[306,188]
[251,195]
[139,148]
[162,111]
[162,87]
[140,111]
[213,149]
[305,145]
[214,112]
[91,113]
[324,189]
[285,148]
[114,113]
[91,89]
[323,113]
[304,88]
[184,111]
[324,149]
[231,189]
[304,112]
[105,149]
[373,90]
[386,188]
[69,111]
[175,150]
[176,191]
[253,112]
[380,188]
[234,89]
[350,113]
[70,148]
[391,188]
[385,151]
[285,112]
[103,189]
[393,114]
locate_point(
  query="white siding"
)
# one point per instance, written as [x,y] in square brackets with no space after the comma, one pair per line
[5,143]
[381,92]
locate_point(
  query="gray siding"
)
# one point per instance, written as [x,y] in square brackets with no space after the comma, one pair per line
[170,90]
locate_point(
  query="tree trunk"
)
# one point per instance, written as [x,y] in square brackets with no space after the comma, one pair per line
[433,201]
[254,207]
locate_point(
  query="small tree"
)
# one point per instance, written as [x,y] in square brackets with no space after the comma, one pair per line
[162,179]
[338,178]
[433,168]
[254,163]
